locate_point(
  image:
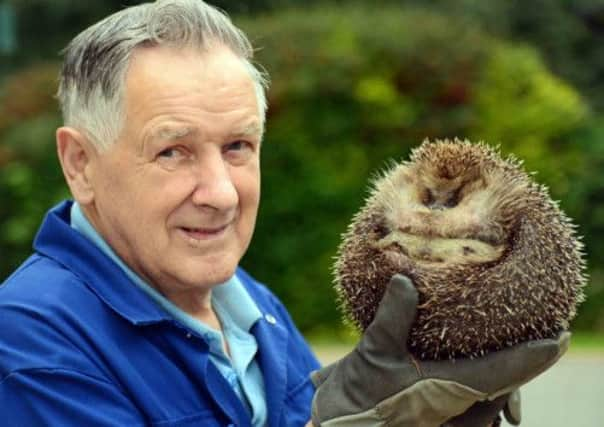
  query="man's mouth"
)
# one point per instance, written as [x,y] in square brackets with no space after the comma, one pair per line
[204,233]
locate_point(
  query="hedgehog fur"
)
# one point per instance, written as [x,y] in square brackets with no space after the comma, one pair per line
[493,258]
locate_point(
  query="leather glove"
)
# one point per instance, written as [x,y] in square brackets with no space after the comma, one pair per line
[379,383]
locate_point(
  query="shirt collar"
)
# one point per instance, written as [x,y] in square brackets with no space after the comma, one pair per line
[231,295]
[237,302]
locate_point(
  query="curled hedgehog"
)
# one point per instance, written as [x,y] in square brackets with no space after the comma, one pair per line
[494,259]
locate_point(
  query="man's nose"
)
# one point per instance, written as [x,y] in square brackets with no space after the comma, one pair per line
[214,184]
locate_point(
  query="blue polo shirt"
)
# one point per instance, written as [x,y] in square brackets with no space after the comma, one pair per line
[237,313]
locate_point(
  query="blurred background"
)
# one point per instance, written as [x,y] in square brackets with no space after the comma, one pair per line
[354,85]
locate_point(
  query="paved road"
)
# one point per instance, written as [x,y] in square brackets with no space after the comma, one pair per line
[570,394]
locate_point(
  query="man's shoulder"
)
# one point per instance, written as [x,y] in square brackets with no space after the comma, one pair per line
[43,306]
[44,292]
[41,280]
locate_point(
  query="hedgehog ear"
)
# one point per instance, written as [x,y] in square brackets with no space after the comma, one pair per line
[395,315]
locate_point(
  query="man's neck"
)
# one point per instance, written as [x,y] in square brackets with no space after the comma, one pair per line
[197,305]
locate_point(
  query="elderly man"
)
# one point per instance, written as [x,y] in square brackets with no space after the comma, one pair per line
[133,311]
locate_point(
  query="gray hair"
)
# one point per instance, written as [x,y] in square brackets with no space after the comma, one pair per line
[92,80]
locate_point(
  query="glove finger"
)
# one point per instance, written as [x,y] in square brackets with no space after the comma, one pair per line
[505,370]
[389,330]
[480,414]
[512,409]
[319,376]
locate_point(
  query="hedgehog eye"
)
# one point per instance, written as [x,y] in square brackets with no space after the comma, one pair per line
[381,230]
[454,199]
[428,198]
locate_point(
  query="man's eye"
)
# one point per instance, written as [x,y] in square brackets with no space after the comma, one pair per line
[239,152]
[170,153]
[173,157]
[237,146]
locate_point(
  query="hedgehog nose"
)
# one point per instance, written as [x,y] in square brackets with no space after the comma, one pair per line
[444,201]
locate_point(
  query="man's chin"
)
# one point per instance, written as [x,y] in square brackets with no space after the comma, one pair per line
[186,270]
[209,277]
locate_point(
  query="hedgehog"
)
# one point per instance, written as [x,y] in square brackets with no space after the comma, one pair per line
[494,259]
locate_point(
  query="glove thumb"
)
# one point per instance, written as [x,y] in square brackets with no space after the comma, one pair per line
[389,331]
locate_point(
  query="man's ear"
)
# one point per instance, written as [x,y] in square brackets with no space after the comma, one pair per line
[75,154]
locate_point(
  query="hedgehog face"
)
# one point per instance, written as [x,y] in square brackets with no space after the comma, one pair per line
[438,215]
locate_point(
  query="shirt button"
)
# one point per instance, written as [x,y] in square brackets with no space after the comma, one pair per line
[270,319]
[188,335]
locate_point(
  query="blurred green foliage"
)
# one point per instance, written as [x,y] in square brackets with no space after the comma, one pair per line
[353,88]
[30,177]
[569,34]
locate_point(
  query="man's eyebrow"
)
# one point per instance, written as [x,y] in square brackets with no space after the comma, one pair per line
[252,128]
[172,132]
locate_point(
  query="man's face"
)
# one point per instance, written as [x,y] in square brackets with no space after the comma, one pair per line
[177,195]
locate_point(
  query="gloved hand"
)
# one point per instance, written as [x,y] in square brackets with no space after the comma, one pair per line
[380,384]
